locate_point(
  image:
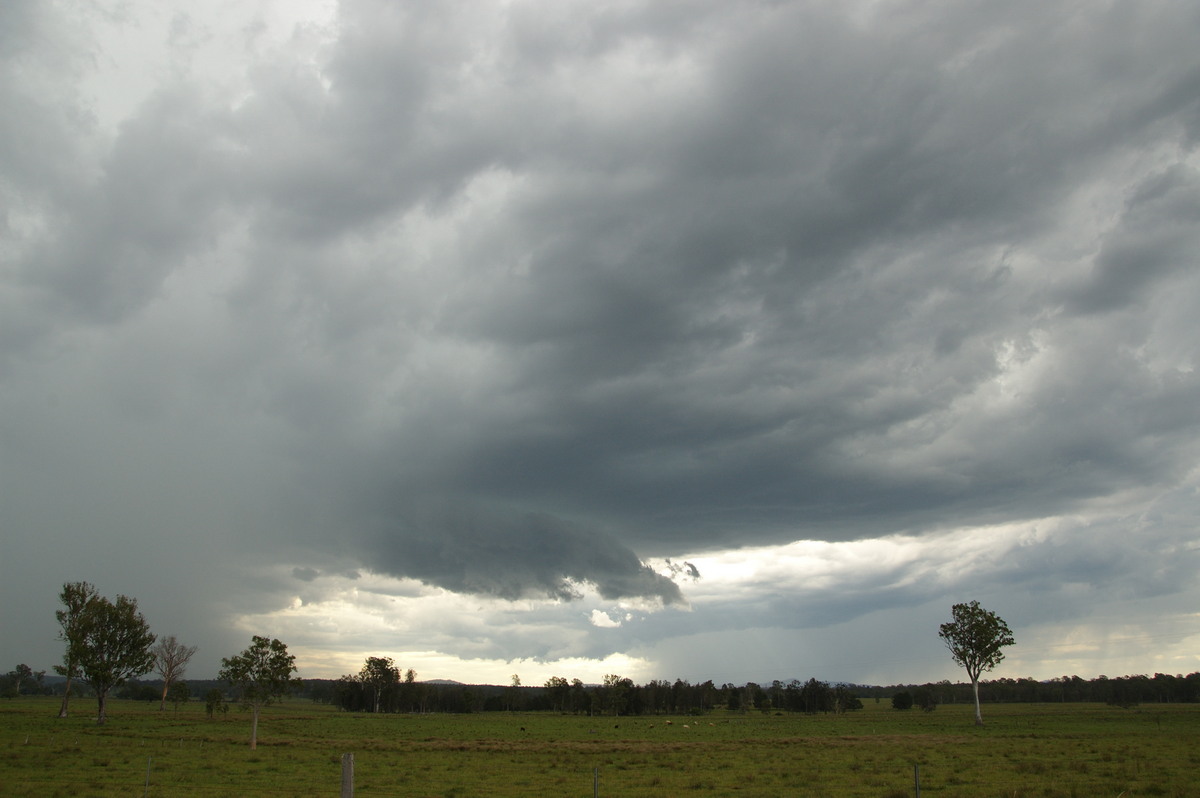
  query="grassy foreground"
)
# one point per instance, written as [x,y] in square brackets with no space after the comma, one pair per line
[1025,750]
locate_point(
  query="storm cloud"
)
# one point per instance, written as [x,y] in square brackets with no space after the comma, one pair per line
[517,300]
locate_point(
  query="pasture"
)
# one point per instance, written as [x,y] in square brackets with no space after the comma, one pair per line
[1025,750]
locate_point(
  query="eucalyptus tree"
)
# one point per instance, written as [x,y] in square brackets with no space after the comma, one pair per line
[75,597]
[512,693]
[614,693]
[559,690]
[170,661]
[111,644]
[19,675]
[261,674]
[380,675]
[976,639]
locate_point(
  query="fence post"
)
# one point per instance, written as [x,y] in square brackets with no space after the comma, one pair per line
[917,779]
[347,775]
[595,782]
[146,791]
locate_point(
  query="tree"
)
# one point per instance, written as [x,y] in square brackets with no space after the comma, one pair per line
[614,694]
[349,693]
[512,693]
[170,661]
[559,690]
[180,694]
[75,597]
[845,701]
[214,701]
[413,695]
[902,700]
[815,696]
[925,698]
[113,644]
[17,676]
[976,638]
[262,674]
[379,674]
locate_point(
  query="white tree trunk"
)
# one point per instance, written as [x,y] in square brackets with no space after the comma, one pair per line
[254,729]
[62,711]
[978,714]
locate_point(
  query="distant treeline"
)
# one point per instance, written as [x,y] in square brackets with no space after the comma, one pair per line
[1161,688]
[620,696]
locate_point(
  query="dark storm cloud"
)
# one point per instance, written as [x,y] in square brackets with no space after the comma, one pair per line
[305,574]
[1156,238]
[148,212]
[732,281]
[513,555]
[507,298]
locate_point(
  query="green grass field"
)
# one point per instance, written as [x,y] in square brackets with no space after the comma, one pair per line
[1025,750]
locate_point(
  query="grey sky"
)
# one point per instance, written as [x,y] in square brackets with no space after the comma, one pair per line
[434,329]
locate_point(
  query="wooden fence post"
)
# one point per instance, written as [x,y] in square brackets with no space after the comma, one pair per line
[347,775]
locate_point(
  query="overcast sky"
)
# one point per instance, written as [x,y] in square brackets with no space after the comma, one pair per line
[717,340]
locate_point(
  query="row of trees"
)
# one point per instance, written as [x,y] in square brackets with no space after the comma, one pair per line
[618,695]
[110,642]
[1160,688]
[679,697]
[379,686]
[976,638]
